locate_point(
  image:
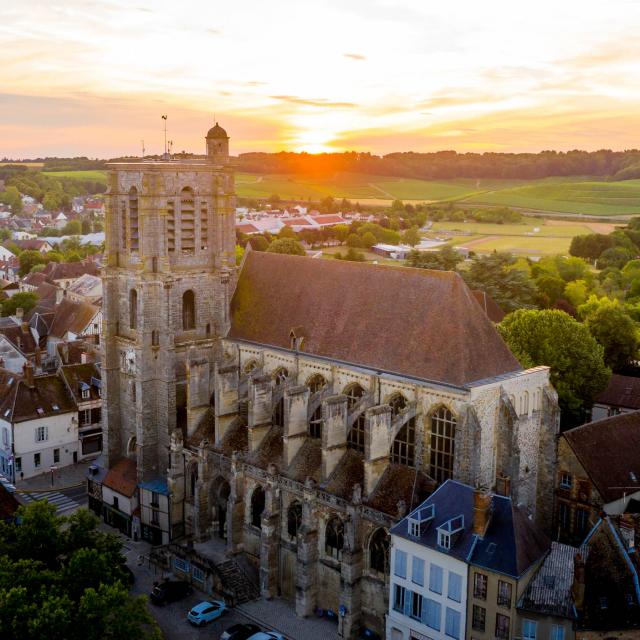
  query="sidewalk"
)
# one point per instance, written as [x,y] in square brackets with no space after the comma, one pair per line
[64,477]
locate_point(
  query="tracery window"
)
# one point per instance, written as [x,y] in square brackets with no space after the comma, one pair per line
[294,519]
[397,403]
[316,383]
[442,444]
[379,551]
[355,439]
[334,538]
[404,445]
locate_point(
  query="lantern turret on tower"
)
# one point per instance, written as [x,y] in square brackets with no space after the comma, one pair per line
[217,144]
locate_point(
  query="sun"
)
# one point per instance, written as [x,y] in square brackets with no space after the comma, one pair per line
[312,147]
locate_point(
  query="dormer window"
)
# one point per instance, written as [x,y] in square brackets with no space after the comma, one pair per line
[85,390]
[449,531]
[55,407]
[85,394]
[419,520]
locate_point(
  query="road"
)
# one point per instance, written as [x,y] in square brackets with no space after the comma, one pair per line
[66,500]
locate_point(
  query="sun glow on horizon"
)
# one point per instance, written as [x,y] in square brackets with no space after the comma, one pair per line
[370,75]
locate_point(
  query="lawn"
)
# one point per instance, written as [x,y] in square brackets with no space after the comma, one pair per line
[91,174]
[32,165]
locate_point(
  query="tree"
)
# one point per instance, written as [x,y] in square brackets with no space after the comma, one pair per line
[86,226]
[72,228]
[11,196]
[551,287]
[25,300]
[576,292]
[511,288]
[286,245]
[553,338]
[28,259]
[444,260]
[287,232]
[354,240]
[63,579]
[590,246]
[351,255]
[614,257]
[411,236]
[258,243]
[368,240]
[610,324]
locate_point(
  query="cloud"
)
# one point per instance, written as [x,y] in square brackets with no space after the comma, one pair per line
[317,102]
[354,56]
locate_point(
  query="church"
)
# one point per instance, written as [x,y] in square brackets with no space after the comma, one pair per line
[295,408]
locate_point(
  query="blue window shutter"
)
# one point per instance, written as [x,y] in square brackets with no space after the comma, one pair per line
[452,623]
[435,578]
[455,587]
[417,571]
[401,564]
[407,602]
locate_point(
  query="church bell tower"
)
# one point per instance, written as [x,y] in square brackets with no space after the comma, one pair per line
[169,267]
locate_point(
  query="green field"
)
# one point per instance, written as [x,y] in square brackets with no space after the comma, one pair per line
[93,174]
[552,195]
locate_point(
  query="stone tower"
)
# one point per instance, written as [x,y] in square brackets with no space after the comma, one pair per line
[169,266]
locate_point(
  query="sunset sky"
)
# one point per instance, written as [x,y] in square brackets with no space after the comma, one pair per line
[84,77]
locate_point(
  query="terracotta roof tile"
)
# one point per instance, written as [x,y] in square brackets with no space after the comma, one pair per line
[609,451]
[236,438]
[400,483]
[269,451]
[68,270]
[307,463]
[204,431]
[348,473]
[489,306]
[122,477]
[72,316]
[415,322]
[622,391]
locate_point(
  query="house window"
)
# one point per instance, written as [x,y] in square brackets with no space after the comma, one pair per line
[480,586]
[400,568]
[56,456]
[565,480]
[557,632]
[504,594]
[435,578]
[181,565]
[502,626]
[431,610]
[18,465]
[116,505]
[5,437]
[564,513]
[155,520]
[444,540]
[442,444]
[417,571]
[416,606]
[398,598]
[188,310]
[42,434]
[582,522]
[455,587]
[155,499]
[197,573]
[452,623]
[334,538]
[86,393]
[85,416]
[36,460]
[479,617]
[529,629]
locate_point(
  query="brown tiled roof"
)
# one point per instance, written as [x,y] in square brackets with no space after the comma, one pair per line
[24,403]
[74,374]
[20,338]
[236,438]
[489,305]
[8,504]
[307,463]
[400,483]
[204,431]
[412,322]
[71,352]
[72,316]
[31,244]
[47,293]
[269,450]
[122,477]
[348,473]
[35,279]
[622,391]
[609,452]
[67,270]
[530,541]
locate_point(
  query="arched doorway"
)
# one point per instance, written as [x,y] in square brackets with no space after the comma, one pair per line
[220,495]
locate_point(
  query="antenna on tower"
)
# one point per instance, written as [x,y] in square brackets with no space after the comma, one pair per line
[143,149]
[165,134]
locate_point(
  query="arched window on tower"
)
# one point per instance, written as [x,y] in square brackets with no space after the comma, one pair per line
[133,218]
[257,506]
[294,519]
[133,309]
[442,444]
[187,221]
[379,551]
[334,538]
[188,310]
[355,439]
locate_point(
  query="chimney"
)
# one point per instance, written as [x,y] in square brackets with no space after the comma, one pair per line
[59,295]
[19,314]
[27,371]
[503,485]
[38,358]
[24,326]
[482,508]
[84,357]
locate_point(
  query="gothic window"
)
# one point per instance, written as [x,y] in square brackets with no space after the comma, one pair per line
[131,447]
[315,423]
[133,309]
[187,221]
[257,506]
[404,445]
[294,519]
[280,375]
[133,218]
[171,226]
[250,366]
[316,383]
[442,445]
[397,403]
[334,538]
[355,439]
[188,310]
[379,551]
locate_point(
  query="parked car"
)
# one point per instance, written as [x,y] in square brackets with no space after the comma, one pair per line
[267,635]
[239,632]
[170,591]
[206,612]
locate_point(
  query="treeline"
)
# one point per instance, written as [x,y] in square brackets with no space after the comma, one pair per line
[615,165]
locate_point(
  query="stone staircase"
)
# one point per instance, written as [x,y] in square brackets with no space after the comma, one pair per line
[235,580]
